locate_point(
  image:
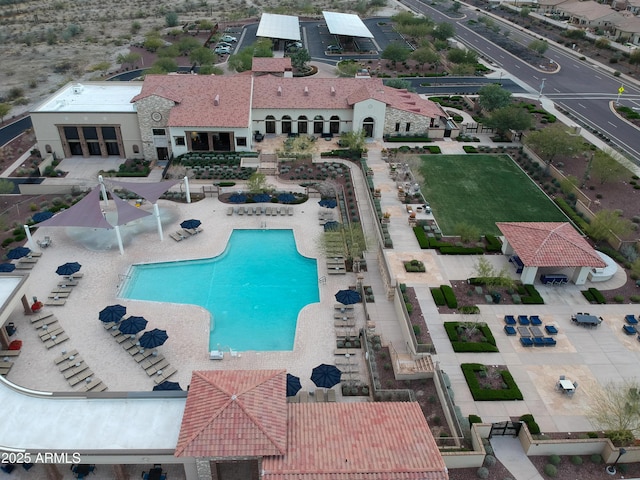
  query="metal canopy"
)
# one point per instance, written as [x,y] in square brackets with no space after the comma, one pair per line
[346,24]
[285,27]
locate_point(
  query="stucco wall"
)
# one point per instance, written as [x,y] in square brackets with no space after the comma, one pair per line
[259,116]
[369,108]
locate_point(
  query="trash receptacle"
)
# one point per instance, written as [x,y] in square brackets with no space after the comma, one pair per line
[496,297]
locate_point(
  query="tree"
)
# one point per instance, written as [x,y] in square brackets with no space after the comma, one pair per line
[524,12]
[399,83]
[257,183]
[210,70]
[606,168]
[553,141]
[395,52]
[153,43]
[443,31]
[487,273]
[539,46]
[163,65]
[347,68]
[606,222]
[458,55]
[616,407]
[299,59]
[353,140]
[187,45]
[456,6]
[466,232]
[202,56]
[6,186]
[493,96]
[424,55]
[171,19]
[634,58]
[5,108]
[509,118]
[128,59]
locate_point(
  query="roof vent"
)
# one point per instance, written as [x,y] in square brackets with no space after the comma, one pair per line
[279,91]
[234,397]
[77,89]
[333,91]
[216,100]
[306,91]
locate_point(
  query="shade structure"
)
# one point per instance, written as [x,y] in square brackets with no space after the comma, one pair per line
[348,297]
[286,198]
[132,325]
[7,267]
[18,252]
[262,198]
[238,198]
[167,386]
[153,338]
[112,313]
[293,385]
[331,226]
[41,216]
[68,268]
[191,224]
[326,376]
[328,203]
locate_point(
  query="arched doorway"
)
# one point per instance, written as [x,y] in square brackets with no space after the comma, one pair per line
[318,124]
[286,124]
[367,125]
[303,124]
[270,124]
[334,124]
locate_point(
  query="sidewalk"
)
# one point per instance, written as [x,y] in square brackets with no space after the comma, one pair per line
[511,454]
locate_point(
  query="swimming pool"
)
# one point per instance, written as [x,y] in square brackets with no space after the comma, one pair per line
[254,290]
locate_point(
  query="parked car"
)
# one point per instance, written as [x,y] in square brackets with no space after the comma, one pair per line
[222,50]
[334,49]
[224,44]
[228,38]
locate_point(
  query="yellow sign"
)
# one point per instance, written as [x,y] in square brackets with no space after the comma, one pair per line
[621,90]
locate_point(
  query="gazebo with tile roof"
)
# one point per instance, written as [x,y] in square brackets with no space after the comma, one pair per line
[556,247]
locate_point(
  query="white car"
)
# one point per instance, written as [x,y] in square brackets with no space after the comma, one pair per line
[222,50]
[228,38]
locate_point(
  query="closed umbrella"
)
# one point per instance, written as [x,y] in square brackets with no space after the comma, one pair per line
[348,297]
[191,224]
[326,376]
[238,198]
[293,385]
[132,325]
[41,216]
[328,203]
[112,313]
[286,198]
[7,267]
[18,252]
[153,338]
[68,268]
[261,197]
[331,226]
[166,386]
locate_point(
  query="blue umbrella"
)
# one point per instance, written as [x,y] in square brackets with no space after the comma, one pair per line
[238,198]
[68,268]
[326,376]
[348,297]
[328,203]
[7,267]
[153,338]
[41,216]
[18,252]
[261,197]
[112,313]
[166,386]
[286,198]
[331,226]
[293,385]
[132,325]
[191,224]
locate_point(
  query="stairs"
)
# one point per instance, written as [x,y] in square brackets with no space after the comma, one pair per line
[268,163]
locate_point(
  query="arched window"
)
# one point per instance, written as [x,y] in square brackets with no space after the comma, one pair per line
[303,124]
[286,124]
[318,124]
[334,124]
[367,126]
[270,124]
[48,149]
[136,149]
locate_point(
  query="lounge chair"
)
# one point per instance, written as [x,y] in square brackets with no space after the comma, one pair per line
[277,210]
[267,211]
[331,395]
[304,396]
[551,329]
[176,237]
[151,360]
[24,266]
[153,369]
[230,211]
[52,342]
[526,341]
[290,211]
[538,342]
[509,320]
[631,319]
[283,211]
[9,353]
[629,329]
[74,370]
[95,385]
[55,303]
[510,330]
[523,320]
[57,295]
[549,342]
[320,395]
[250,211]
[165,373]
[535,320]
[80,377]
[41,317]
[65,356]
[258,211]
[346,351]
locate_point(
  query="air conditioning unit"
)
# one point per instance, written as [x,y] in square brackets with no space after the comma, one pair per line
[216,355]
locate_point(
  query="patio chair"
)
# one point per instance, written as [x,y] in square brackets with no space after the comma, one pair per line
[535,320]
[629,329]
[509,320]
[509,330]
[562,377]
[523,320]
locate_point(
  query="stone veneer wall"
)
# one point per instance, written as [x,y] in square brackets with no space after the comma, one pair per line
[419,123]
[146,107]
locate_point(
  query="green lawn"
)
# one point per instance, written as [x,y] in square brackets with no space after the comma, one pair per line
[481,190]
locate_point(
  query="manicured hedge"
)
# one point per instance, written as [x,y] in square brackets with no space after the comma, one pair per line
[422,238]
[571,213]
[449,296]
[462,346]
[533,427]
[453,250]
[408,139]
[434,149]
[512,392]
[474,419]
[588,296]
[529,295]
[597,296]
[493,243]
[469,149]
[438,297]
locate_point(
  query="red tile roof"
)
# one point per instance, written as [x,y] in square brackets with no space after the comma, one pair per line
[202,100]
[270,64]
[357,441]
[234,413]
[550,244]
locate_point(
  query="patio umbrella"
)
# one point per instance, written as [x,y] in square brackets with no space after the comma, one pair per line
[191,224]
[18,252]
[112,313]
[68,268]
[153,338]
[7,267]
[286,198]
[293,385]
[238,198]
[348,297]
[326,376]
[328,203]
[166,386]
[261,197]
[331,226]
[41,216]
[132,325]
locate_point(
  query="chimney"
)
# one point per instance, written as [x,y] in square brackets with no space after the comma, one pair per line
[333,91]
[216,100]
[306,91]
[279,91]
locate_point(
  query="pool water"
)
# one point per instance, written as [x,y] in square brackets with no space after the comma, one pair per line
[254,290]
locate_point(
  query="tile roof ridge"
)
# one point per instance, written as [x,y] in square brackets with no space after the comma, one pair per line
[258,424]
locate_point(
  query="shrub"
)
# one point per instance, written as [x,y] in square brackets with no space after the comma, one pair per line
[423,241]
[474,419]
[550,470]
[512,392]
[618,298]
[572,214]
[416,330]
[555,460]
[619,437]
[449,296]
[438,297]
[483,472]
[469,149]
[490,460]
[493,243]
[576,459]
[597,296]
[596,458]
[588,296]
[533,427]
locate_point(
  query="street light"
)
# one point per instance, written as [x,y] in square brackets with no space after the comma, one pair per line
[541,87]
[611,469]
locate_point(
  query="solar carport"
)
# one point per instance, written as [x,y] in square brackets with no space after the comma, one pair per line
[279,27]
[352,34]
